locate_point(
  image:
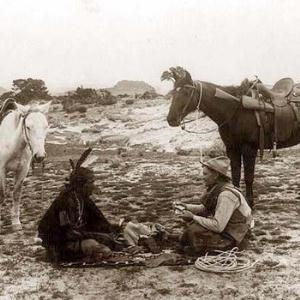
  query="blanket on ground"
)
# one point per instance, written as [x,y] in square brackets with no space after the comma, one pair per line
[124,259]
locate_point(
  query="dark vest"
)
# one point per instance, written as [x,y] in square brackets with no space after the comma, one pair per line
[237,226]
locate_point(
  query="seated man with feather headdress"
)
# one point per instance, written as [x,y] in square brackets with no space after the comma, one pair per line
[73,226]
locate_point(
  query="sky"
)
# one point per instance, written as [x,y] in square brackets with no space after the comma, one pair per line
[95,43]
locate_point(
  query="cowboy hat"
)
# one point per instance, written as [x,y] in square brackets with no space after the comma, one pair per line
[219,164]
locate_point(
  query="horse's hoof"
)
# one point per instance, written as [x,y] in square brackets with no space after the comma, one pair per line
[16,227]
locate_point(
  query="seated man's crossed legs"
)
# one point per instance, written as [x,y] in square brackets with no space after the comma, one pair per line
[88,248]
[197,240]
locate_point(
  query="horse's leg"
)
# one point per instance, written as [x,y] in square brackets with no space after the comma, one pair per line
[19,178]
[235,163]
[249,158]
[2,192]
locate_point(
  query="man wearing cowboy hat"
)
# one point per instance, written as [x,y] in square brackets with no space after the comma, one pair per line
[222,219]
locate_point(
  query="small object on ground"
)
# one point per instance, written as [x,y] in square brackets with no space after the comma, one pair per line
[166,259]
[134,249]
[125,259]
[224,262]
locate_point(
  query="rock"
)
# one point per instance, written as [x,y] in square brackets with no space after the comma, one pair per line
[229,290]
[118,117]
[94,129]
[249,297]
[116,139]
[115,164]
[129,101]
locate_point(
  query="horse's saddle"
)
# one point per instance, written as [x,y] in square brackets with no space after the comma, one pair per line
[278,94]
[7,106]
[294,96]
[280,101]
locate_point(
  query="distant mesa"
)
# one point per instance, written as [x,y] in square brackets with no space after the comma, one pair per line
[2,90]
[130,87]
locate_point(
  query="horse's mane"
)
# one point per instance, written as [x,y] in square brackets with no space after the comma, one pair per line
[237,90]
[233,90]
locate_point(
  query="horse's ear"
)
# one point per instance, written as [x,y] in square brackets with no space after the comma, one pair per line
[21,108]
[44,108]
[188,76]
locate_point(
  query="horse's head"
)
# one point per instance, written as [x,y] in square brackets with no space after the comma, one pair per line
[182,94]
[35,127]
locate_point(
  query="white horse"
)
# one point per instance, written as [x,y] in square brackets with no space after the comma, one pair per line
[22,139]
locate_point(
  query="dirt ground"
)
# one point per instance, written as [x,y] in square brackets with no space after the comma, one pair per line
[141,181]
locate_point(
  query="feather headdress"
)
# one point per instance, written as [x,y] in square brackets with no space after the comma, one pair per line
[83,161]
[79,170]
[178,75]
[83,157]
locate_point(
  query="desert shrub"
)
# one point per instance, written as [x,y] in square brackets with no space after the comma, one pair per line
[123,95]
[182,152]
[76,107]
[82,109]
[105,97]
[56,100]
[84,93]
[85,97]
[129,101]
[149,95]
[107,101]
[26,90]
[88,100]
[67,103]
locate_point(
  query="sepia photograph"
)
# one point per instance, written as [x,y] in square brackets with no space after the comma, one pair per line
[150,149]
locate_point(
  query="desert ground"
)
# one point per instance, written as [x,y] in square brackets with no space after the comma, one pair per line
[143,166]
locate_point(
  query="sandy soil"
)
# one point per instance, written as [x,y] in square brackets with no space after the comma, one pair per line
[138,176]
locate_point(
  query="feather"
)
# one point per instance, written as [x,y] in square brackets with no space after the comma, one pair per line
[174,74]
[83,157]
[90,160]
[166,75]
[72,164]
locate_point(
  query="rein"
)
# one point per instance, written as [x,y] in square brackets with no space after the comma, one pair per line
[194,87]
[27,140]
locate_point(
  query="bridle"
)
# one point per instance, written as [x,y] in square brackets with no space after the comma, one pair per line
[24,129]
[196,85]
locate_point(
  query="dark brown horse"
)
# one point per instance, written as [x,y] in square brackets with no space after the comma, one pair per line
[237,126]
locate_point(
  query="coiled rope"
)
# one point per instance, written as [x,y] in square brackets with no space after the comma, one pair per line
[225,262]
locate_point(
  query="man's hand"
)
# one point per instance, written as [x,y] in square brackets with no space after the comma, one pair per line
[179,206]
[73,235]
[187,216]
